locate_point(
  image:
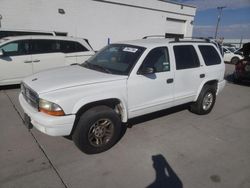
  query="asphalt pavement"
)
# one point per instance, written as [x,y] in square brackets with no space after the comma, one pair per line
[172,149]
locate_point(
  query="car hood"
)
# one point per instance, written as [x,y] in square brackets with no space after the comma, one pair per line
[66,77]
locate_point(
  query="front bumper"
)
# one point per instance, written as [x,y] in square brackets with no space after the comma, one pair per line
[50,125]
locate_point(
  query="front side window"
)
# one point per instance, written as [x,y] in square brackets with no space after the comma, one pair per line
[115,59]
[186,57]
[210,55]
[16,48]
[157,59]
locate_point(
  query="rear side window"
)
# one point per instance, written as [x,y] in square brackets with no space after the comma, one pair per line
[186,57]
[42,46]
[45,46]
[210,55]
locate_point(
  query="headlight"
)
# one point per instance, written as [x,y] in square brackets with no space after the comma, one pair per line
[50,108]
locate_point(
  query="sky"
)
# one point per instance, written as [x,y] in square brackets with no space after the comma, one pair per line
[235,20]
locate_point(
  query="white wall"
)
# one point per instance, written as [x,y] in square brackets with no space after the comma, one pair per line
[98,21]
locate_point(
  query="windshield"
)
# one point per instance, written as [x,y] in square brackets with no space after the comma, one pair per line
[115,59]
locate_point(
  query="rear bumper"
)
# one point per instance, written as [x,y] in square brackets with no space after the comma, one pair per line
[221,86]
[50,125]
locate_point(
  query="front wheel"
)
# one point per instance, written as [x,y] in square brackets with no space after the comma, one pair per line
[97,130]
[205,101]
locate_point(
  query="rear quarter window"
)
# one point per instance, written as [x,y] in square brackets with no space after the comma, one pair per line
[72,47]
[210,55]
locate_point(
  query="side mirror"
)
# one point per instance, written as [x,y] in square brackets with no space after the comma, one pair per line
[147,70]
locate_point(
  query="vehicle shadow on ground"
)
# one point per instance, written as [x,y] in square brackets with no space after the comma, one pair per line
[16,86]
[141,119]
[164,174]
[229,78]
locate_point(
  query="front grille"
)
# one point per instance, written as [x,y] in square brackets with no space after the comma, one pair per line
[30,96]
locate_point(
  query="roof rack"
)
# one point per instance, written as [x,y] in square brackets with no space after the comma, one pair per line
[177,38]
[192,39]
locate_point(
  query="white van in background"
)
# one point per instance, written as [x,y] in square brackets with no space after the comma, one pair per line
[25,55]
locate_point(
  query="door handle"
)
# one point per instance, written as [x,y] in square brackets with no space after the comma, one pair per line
[170,80]
[27,61]
[36,61]
[202,75]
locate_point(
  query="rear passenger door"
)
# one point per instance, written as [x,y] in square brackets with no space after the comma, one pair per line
[189,73]
[46,54]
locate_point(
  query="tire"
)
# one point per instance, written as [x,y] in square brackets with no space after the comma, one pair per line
[234,60]
[205,101]
[97,130]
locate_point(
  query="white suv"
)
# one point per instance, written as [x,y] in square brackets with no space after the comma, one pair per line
[122,81]
[25,55]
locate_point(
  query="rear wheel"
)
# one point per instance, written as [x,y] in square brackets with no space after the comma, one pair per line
[205,101]
[98,130]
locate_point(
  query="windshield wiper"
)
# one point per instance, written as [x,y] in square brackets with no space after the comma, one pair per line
[95,67]
[102,68]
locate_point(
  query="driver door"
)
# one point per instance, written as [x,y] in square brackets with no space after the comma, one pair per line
[151,92]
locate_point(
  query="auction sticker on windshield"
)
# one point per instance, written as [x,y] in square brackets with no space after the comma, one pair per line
[129,49]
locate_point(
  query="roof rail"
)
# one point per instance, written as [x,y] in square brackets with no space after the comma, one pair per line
[153,36]
[192,39]
[177,38]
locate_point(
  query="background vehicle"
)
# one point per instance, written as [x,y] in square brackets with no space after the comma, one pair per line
[242,68]
[239,51]
[25,55]
[122,81]
[230,56]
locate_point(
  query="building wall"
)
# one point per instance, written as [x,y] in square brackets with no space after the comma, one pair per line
[99,20]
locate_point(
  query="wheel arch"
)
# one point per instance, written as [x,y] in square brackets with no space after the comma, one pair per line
[116,104]
[213,83]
